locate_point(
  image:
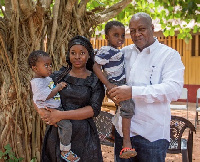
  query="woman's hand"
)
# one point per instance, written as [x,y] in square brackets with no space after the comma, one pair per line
[53,117]
[44,113]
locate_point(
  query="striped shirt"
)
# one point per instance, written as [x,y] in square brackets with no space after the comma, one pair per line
[112,62]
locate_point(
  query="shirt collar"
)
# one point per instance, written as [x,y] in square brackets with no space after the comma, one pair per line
[148,49]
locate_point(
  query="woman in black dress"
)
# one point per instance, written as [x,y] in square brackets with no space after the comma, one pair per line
[81,100]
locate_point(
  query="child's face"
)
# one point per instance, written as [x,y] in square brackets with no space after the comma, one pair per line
[116,36]
[78,56]
[43,67]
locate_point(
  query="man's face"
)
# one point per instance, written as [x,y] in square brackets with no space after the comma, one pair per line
[141,32]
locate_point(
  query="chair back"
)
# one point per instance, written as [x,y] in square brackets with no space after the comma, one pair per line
[198,97]
[184,94]
[197,108]
[177,127]
[198,93]
[181,105]
[104,126]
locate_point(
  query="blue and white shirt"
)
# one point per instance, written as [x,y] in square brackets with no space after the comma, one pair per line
[112,62]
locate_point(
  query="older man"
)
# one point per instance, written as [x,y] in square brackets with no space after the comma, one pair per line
[154,74]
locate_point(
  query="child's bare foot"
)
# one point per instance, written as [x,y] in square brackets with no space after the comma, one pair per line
[69,156]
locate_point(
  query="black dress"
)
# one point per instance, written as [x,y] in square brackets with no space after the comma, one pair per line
[85,140]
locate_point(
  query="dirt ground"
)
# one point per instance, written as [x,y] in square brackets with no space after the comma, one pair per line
[108,152]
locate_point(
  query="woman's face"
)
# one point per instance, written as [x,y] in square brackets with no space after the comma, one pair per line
[79,56]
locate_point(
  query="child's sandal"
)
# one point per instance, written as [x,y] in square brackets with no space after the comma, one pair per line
[66,156]
[127,153]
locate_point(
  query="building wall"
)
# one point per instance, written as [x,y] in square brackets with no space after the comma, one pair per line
[190,55]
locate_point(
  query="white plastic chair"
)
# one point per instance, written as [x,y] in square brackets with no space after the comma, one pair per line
[197,108]
[181,106]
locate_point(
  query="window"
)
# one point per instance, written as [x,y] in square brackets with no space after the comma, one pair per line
[193,46]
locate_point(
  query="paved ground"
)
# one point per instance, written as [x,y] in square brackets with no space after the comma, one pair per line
[108,153]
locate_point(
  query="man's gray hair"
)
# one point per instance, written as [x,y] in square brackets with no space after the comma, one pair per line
[143,15]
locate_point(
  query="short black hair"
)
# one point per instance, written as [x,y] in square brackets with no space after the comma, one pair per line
[33,57]
[81,40]
[110,24]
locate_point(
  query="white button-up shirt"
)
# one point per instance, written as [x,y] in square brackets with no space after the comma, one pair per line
[156,76]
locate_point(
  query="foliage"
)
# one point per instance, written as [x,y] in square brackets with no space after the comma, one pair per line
[172,15]
[8,155]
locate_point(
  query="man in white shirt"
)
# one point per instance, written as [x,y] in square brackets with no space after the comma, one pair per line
[154,74]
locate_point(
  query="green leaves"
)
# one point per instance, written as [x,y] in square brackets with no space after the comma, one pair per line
[170,13]
[94,3]
[8,155]
[172,32]
[121,15]
[166,11]
[185,34]
[2,2]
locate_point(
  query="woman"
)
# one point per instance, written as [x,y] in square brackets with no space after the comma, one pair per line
[81,99]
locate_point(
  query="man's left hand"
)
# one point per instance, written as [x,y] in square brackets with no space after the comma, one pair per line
[121,93]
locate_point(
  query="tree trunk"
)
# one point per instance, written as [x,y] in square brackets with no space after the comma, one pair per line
[28,26]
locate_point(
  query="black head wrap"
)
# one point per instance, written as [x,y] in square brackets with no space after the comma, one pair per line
[81,40]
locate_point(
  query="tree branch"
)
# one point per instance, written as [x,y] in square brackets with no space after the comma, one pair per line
[77,17]
[118,6]
[26,7]
[54,26]
[46,3]
[82,7]
[70,4]
[8,8]
[112,11]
